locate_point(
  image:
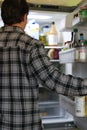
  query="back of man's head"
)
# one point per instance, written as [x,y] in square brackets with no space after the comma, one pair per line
[12,11]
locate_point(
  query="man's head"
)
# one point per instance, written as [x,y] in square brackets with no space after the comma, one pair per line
[13,11]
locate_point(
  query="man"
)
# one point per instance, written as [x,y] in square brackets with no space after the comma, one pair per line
[23,65]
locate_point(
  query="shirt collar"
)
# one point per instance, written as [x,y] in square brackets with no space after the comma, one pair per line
[11,29]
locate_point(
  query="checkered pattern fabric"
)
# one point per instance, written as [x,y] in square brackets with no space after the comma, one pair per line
[23,65]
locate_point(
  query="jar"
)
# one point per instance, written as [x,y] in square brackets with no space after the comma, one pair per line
[83,13]
[80,106]
[42,37]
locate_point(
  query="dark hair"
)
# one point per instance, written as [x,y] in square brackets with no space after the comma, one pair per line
[12,11]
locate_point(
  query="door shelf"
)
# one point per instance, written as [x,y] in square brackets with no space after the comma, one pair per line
[68,104]
[79,21]
[54,47]
[76,21]
[54,60]
[67,56]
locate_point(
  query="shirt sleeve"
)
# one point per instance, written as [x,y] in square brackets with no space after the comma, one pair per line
[48,75]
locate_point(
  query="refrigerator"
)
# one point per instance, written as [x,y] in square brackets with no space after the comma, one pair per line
[57,111]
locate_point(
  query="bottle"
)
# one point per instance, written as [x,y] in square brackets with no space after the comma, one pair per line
[45,31]
[75,43]
[70,45]
[80,106]
[81,40]
[52,35]
[82,51]
[75,38]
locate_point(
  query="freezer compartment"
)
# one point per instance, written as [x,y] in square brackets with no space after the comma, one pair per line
[51,110]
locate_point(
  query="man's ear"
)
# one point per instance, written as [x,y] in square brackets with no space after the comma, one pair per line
[25,17]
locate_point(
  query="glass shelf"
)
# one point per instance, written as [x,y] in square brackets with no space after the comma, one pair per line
[54,60]
[79,21]
[54,47]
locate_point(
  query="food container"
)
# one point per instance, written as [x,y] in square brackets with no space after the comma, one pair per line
[83,13]
[42,37]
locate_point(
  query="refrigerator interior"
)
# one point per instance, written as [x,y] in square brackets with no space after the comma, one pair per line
[53,116]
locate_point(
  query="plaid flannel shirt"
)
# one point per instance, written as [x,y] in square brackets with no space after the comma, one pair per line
[24,64]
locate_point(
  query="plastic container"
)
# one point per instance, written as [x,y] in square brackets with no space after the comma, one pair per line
[51,110]
[67,56]
[83,11]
